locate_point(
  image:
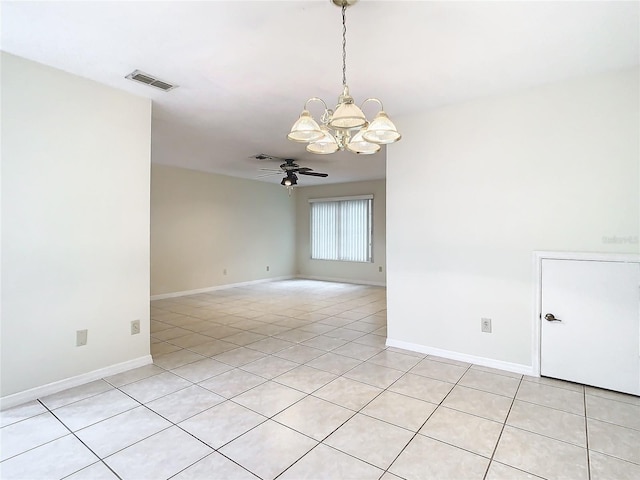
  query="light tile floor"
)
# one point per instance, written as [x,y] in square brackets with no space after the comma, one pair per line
[293,380]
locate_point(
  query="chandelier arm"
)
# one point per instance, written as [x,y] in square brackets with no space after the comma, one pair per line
[326,115]
[378,101]
[315,99]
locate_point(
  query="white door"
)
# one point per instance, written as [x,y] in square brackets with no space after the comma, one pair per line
[590,325]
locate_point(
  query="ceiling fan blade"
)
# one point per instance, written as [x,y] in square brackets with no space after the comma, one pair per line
[269,174]
[304,169]
[270,170]
[314,174]
[261,156]
[264,156]
[289,166]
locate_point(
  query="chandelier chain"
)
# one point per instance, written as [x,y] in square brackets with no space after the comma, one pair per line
[344,44]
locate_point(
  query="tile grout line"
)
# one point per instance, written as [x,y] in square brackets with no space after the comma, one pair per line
[308,395]
[297,401]
[80,399]
[550,408]
[140,404]
[504,424]
[355,412]
[586,431]
[360,411]
[80,440]
[173,424]
[264,353]
[249,389]
[334,327]
[206,456]
[425,422]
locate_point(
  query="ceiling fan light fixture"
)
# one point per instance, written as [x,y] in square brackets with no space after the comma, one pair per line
[290,180]
[306,129]
[360,146]
[325,145]
[344,128]
[382,130]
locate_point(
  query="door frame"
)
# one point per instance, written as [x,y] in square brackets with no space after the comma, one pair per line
[538,256]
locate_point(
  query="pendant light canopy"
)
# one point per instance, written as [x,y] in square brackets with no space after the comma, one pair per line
[346,127]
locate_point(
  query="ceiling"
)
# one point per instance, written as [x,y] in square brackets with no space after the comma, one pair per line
[245,69]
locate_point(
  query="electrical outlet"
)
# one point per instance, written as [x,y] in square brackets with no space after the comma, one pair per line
[135,327]
[81,337]
[485,325]
[267,268]
[224,272]
[380,269]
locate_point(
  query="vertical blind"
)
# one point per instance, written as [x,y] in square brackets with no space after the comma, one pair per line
[341,229]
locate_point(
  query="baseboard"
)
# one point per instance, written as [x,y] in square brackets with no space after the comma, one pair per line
[55,387]
[184,293]
[463,357]
[341,280]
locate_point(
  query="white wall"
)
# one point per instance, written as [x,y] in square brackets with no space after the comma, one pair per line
[342,271]
[475,188]
[75,225]
[202,224]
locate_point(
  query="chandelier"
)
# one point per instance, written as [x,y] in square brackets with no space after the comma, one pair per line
[346,127]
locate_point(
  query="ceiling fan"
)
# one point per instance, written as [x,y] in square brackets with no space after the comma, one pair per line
[289,168]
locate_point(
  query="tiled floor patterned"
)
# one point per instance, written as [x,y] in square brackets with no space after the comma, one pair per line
[292,380]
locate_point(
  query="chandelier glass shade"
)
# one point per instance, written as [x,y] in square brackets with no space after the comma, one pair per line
[358,144]
[325,144]
[306,129]
[346,127]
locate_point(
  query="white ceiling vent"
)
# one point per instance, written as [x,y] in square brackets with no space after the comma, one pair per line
[150,80]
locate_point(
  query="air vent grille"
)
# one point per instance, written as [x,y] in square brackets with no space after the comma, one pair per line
[150,80]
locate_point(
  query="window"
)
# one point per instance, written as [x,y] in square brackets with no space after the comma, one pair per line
[341,228]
